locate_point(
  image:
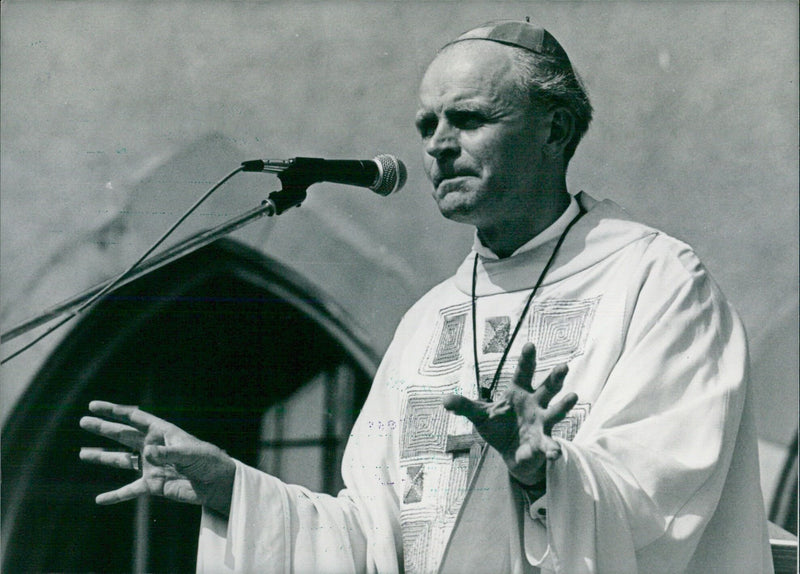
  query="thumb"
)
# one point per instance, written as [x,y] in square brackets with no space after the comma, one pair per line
[551,448]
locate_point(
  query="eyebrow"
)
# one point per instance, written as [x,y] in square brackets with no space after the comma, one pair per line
[423,114]
[461,107]
[457,108]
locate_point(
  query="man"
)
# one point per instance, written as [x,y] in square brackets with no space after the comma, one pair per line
[595,356]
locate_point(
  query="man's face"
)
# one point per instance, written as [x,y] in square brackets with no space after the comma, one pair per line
[482,138]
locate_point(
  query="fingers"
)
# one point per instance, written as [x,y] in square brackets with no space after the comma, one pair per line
[552,385]
[473,410]
[122,460]
[129,414]
[563,406]
[179,456]
[548,447]
[119,432]
[127,492]
[558,411]
[552,450]
[523,376]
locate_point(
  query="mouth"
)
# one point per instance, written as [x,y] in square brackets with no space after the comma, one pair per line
[450,177]
[446,170]
[451,181]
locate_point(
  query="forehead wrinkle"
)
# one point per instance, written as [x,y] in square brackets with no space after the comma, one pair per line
[489,101]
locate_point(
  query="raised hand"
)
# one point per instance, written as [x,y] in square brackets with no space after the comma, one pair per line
[519,424]
[173,463]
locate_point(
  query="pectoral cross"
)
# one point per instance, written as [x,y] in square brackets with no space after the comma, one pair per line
[461,444]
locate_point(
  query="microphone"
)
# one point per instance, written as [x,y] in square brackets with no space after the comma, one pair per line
[385,174]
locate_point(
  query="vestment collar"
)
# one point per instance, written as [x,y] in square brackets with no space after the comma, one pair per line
[603,230]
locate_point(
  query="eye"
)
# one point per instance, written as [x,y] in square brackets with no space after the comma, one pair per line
[467,120]
[426,125]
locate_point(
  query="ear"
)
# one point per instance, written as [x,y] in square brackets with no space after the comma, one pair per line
[562,130]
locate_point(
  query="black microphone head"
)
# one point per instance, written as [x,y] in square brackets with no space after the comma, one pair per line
[392,176]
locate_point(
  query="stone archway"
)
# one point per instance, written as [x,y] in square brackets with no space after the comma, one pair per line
[226,343]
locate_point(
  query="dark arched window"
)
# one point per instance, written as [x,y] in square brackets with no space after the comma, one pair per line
[224,342]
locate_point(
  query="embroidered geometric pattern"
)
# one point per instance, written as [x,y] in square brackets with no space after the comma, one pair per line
[568,428]
[425,425]
[413,492]
[558,328]
[443,354]
[416,539]
[497,331]
[488,369]
[449,346]
[457,487]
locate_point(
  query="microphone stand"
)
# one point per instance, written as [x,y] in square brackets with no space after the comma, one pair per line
[292,194]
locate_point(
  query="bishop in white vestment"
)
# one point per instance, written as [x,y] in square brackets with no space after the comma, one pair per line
[626,444]
[659,471]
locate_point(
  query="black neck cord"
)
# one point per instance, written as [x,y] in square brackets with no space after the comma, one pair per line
[485,393]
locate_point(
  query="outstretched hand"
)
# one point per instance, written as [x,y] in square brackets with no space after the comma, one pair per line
[519,424]
[174,464]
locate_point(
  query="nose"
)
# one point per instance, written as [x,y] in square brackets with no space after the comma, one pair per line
[443,142]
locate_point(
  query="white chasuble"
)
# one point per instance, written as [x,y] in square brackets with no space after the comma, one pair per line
[659,471]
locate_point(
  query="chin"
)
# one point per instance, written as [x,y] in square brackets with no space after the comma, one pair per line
[459,204]
[457,211]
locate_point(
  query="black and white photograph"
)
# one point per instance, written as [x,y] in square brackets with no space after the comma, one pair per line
[399,287]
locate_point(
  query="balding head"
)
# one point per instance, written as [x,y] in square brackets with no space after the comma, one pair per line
[543,70]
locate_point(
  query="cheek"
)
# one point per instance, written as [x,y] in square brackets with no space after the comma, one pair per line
[428,164]
[491,149]
[477,151]
[519,154]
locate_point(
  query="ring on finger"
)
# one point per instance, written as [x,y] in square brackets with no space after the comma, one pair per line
[135,460]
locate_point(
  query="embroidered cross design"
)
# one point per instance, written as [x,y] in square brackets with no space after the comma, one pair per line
[413,491]
[497,331]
